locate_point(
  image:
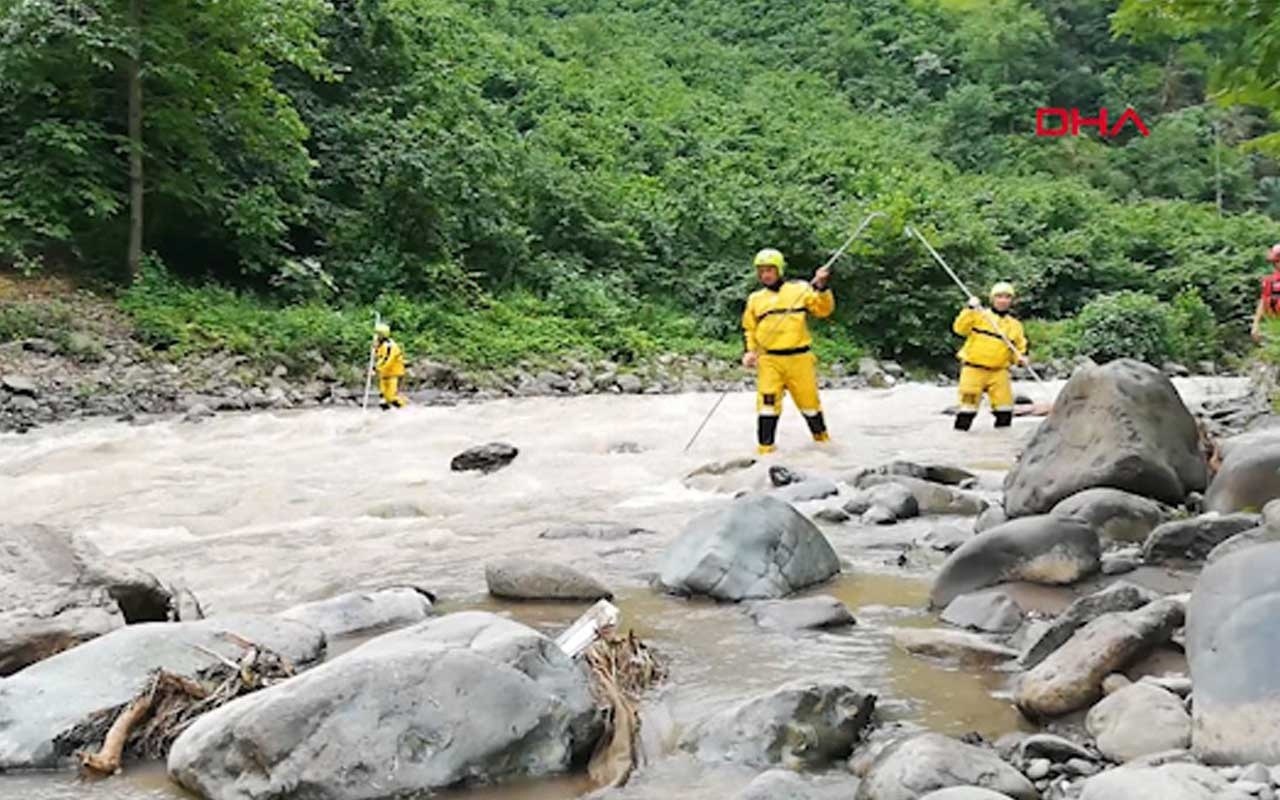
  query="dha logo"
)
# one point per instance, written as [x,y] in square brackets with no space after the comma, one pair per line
[1070,122]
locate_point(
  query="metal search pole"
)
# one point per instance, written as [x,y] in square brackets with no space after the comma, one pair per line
[856,233]
[373,351]
[990,317]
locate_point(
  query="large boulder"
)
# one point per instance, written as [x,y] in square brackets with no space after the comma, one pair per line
[914,767]
[1193,539]
[1071,678]
[1167,782]
[58,590]
[757,548]
[41,705]
[1139,720]
[356,612]
[1120,425]
[1042,549]
[468,697]
[1262,534]
[804,724]
[931,498]
[1233,646]
[1118,597]
[1116,515]
[530,579]
[1248,479]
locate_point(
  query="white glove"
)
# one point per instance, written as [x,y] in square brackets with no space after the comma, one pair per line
[975,302]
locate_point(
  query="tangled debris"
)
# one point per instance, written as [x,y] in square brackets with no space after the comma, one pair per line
[147,726]
[622,668]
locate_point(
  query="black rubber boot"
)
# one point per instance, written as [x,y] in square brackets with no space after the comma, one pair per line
[817,425]
[964,420]
[1004,419]
[766,430]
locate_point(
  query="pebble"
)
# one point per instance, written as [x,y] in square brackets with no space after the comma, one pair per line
[1039,769]
[1256,773]
[1083,768]
[1231,773]
[1252,787]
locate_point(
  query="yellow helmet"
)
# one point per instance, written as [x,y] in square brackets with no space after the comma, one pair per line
[769,257]
[1003,287]
[383,330]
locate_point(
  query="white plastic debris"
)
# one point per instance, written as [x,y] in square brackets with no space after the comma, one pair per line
[586,629]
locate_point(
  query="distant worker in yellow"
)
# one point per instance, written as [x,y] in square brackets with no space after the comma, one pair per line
[986,356]
[778,345]
[389,366]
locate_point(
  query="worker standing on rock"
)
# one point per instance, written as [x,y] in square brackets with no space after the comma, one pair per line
[1269,301]
[778,345]
[389,367]
[987,355]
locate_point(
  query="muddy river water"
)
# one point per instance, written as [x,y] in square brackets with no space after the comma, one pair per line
[258,512]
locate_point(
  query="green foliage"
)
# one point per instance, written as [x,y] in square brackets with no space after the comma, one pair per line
[1196,327]
[1127,325]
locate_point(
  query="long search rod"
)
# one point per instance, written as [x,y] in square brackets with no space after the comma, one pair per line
[862,226]
[995,324]
[373,351]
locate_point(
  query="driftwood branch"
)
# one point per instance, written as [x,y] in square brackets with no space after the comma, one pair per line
[107,760]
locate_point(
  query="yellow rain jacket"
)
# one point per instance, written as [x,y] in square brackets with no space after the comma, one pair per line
[774,320]
[389,360]
[983,347]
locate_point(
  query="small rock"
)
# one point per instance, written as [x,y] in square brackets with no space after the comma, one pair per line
[781,476]
[1193,539]
[1256,773]
[992,612]
[1175,370]
[630,384]
[1121,562]
[1078,766]
[1114,683]
[20,385]
[1120,596]
[993,516]
[198,412]
[878,515]
[834,515]
[822,611]
[526,579]
[947,538]
[914,767]
[960,645]
[1056,749]
[1038,769]
[599,531]
[1139,720]
[485,458]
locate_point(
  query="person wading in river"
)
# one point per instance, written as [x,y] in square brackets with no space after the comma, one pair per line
[1269,301]
[779,348]
[986,356]
[389,367]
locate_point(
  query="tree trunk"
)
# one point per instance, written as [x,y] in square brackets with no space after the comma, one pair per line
[135,141]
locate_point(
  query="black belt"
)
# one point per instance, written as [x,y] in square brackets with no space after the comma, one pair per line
[794,351]
[979,366]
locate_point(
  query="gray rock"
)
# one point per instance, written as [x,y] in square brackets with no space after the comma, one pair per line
[1233,646]
[833,515]
[893,368]
[757,548]
[1116,515]
[468,697]
[992,612]
[630,384]
[1081,767]
[1256,773]
[39,345]
[957,645]
[722,467]
[804,724]
[485,458]
[24,404]
[781,476]
[529,579]
[1139,720]
[914,767]
[599,531]
[198,412]
[41,705]
[1193,539]
[947,538]
[934,473]
[1174,370]
[1056,749]
[1248,479]
[820,611]
[875,377]
[356,612]
[1043,549]
[1039,769]
[1121,425]
[878,515]
[20,385]
[1071,678]
[58,590]
[993,516]
[1271,514]
[1263,534]
[1118,597]
[965,793]
[806,490]
[1169,782]
[931,498]
[776,784]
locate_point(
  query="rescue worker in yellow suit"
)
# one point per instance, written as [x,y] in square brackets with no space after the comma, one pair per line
[986,358]
[778,345]
[389,366]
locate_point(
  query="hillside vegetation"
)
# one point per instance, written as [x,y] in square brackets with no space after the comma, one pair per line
[516,179]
